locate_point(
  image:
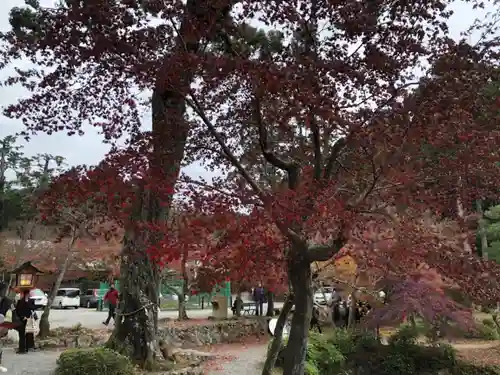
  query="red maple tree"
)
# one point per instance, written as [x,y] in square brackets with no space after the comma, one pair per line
[331,104]
[80,224]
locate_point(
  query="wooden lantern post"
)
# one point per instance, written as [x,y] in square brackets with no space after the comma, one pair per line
[26,276]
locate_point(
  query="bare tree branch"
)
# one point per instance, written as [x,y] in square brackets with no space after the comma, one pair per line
[321,253]
[223,192]
[334,155]
[316,141]
[264,197]
[229,154]
[361,289]
[290,167]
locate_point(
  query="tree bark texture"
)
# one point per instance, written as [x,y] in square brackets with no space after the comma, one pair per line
[482,231]
[139,276]
[185,288]
[351,320]
[44,319]
[299,273]
[270,303]
[3,169]
[272,354]
[137,316]
[3,223]
[462,215]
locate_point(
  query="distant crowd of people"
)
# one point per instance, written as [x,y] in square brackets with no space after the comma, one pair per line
[338,306]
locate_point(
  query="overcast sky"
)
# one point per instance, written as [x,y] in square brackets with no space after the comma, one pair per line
[89,149]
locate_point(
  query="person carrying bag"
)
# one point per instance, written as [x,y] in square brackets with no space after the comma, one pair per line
[25,311]
[32,325]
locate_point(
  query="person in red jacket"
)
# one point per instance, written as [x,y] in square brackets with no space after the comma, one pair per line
[111,297]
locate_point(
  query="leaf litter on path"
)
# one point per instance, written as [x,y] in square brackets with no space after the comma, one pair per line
[236,359]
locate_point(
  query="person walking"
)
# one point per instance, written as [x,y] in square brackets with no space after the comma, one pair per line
[25,311]
[111,297]
[258,297]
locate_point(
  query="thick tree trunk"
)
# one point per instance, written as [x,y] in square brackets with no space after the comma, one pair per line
[182,312]
[135,335]
[462,214]
[185,287]
[351,321]
[275,348]
[3,219]
[299,273]
[44,320]
[3,169]
[170,128]
[270,303]
[136,323]
[482,231]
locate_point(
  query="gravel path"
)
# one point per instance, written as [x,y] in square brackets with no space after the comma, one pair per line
[245,361]
[37,363]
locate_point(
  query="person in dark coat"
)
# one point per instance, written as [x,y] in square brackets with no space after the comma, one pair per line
[25,310]
[259,297]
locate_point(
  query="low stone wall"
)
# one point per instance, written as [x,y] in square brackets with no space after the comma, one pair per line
[189,334]
[74,338]
[216,332]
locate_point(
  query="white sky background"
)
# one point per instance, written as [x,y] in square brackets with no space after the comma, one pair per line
[89,149]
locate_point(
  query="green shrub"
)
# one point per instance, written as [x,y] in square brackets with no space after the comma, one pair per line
[488,309]
[322,356]
[343,353]
[96,361]
[488,322]
[459,297]
[486,330]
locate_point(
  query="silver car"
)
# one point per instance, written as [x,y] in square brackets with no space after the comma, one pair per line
[323,295]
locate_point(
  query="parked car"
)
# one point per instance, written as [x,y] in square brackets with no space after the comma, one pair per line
[67,297]
[39,298]
[90,299]
[323,295]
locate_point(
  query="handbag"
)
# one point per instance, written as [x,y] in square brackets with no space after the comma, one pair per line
[31,326]
[8,316]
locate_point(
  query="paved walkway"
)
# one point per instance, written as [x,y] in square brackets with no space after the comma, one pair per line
[37,363]
[244,361]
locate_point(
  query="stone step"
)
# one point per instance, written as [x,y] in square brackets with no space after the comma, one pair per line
[193,352]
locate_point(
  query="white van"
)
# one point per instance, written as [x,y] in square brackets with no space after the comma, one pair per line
[67,297]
